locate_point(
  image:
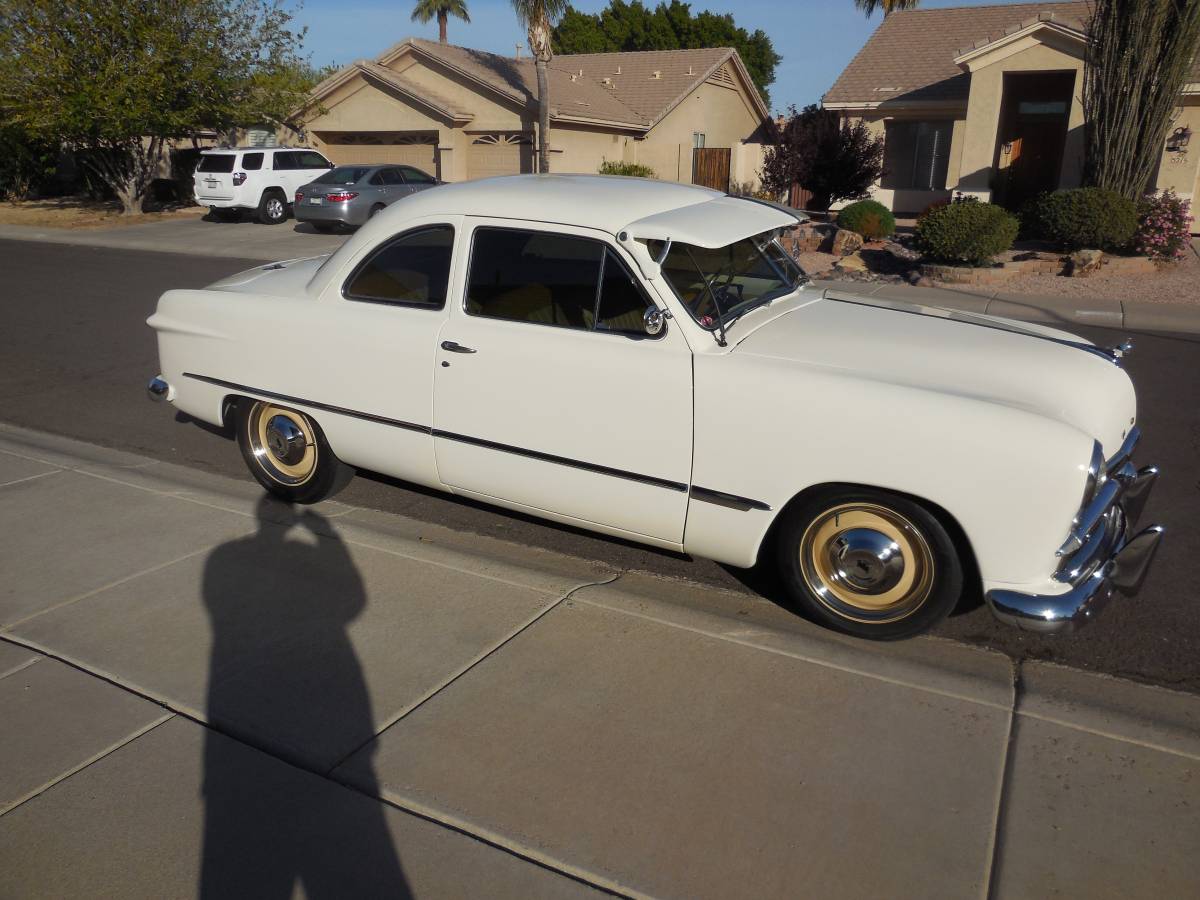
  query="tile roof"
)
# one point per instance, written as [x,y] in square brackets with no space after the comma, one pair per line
[911,55]
[635,96]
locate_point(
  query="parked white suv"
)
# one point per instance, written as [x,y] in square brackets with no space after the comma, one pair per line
[260,178]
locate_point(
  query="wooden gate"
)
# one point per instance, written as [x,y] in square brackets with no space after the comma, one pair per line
[710,167]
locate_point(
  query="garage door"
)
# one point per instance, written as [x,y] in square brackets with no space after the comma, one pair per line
[399,148]
[504,153]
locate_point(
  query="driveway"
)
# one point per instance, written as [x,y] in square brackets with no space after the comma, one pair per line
[246,239]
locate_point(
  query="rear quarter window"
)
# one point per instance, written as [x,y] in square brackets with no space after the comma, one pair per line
[216,162]
[252,162]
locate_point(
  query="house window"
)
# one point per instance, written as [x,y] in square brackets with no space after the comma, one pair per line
[916,155]
[697,139]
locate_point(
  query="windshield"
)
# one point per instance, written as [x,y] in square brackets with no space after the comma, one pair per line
[344,175]
[725,282]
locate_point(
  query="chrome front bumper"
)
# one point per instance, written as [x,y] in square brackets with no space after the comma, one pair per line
[1108,558]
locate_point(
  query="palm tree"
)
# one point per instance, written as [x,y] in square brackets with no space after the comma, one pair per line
[538,17]
[888,6]
[442,10]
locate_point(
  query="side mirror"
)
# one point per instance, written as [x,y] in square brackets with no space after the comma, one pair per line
[655,320]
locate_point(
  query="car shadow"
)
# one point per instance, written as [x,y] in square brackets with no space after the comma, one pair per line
[284,678]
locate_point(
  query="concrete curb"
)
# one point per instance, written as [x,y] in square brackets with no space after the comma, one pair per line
[1099,312]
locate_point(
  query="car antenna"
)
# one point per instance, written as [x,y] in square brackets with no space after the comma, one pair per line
[721,342]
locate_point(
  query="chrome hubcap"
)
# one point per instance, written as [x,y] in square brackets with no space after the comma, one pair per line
[274,208]
[866,563]
[285,440]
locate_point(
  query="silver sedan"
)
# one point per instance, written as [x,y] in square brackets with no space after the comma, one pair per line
[349,195]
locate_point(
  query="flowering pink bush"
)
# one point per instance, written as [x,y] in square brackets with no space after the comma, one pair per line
[1164,226]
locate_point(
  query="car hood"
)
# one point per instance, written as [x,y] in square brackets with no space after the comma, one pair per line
[1030,367]
[288,278]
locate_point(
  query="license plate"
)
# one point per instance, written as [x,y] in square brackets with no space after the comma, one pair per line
[315,201]
[211,182]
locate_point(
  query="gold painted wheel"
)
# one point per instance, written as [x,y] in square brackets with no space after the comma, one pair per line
[866,563]
[283,443]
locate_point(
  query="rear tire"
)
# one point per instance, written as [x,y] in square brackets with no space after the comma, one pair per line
[287,453]
[272,208]
[870,563]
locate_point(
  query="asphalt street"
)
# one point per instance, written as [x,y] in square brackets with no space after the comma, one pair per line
[75,355]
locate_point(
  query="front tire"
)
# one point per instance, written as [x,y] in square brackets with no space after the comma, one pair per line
[272,208]
[869,563]
[287,453]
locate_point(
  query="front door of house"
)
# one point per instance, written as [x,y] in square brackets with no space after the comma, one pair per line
[1032,135]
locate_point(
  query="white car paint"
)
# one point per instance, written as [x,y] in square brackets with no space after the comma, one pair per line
[991,420]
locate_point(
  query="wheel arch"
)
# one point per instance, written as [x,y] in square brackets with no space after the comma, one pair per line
[972,580]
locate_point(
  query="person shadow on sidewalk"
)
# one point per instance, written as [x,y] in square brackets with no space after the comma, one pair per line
[284,678]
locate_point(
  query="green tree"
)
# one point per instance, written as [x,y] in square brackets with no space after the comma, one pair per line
[538,18]
[832,158]
[888,6]
[631,25]
[1139,56]
[116,81]
[442,10]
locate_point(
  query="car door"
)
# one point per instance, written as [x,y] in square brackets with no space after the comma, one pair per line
[550,395]
[416,179]
[393,185]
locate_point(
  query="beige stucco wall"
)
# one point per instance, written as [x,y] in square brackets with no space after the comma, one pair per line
[1043,53]
[724,116]
[1180,171]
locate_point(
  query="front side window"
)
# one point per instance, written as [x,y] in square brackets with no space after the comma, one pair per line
[252,162]
[410,270]
[392,177]
[416,176]
[724,282]
[310,159]
[553,279]
[344,175]
[216,162]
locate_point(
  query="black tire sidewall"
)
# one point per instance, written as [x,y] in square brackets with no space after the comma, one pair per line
[948,567]
[267,197]
[330,476]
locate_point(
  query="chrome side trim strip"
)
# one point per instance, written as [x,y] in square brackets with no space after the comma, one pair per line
[561,460]
[300,401]
[732,501]
[448,435]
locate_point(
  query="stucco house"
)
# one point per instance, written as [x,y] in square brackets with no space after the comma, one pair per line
[987,100]
[690,115]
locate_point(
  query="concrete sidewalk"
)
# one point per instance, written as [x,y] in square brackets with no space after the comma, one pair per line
[207,693]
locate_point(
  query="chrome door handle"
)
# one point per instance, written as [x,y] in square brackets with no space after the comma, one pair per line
[456,348]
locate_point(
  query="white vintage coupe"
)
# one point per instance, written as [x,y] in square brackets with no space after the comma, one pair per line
[645,360]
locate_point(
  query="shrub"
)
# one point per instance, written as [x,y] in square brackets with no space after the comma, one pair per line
[1086,217]
[971,233]
[869,218]
[1164,226]
[633,170]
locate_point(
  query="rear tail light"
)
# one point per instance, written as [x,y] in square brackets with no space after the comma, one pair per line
[239,178]
[299,196]
[343,197]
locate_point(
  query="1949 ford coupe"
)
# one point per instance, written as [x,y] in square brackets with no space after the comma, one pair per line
[644,359]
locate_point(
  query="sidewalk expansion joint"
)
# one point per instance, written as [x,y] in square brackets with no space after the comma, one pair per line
[28,477]
[464,669]
[20,667]
[92,760]
[991,866]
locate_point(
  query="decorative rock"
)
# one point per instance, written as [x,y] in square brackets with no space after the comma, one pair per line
[846,242]
[1085,263]
[853,262]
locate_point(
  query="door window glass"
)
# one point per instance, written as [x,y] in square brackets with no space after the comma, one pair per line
[285,160]
[392,177]
[534,276]
[377,178]
[411,270]
[310,159]
[252,162]
[622,305]
[416,176]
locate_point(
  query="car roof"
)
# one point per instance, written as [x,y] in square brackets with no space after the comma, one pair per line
[251,149]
